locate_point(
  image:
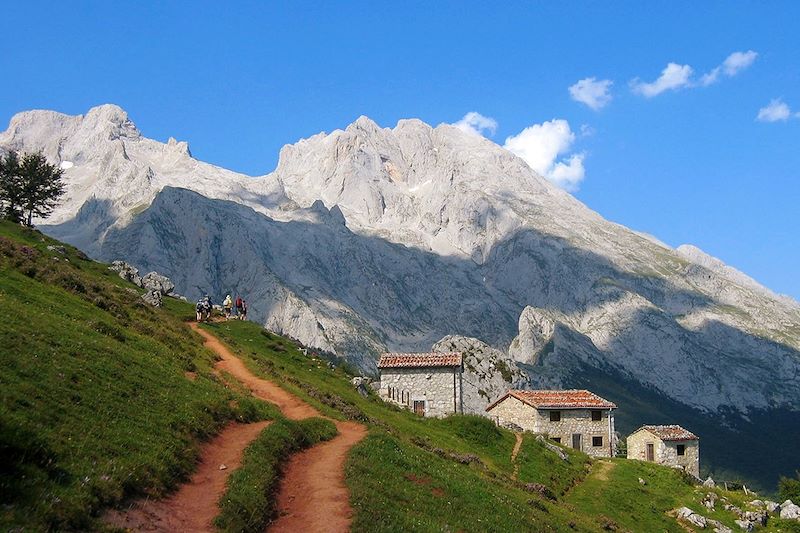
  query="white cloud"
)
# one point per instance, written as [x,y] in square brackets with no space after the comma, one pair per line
[592,92]
[738,61]
[733,64]
[476,124]
[673,77]
[775,111]
[540,146]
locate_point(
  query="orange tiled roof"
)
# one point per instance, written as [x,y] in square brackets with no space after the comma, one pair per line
[419,360]
[558,399]
[673,432]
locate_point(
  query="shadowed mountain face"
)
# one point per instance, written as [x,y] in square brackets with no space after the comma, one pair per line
[370,239]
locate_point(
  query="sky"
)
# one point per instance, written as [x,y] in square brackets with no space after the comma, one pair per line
[678,119]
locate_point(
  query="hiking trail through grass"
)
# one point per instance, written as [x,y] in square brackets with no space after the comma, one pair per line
[313,495]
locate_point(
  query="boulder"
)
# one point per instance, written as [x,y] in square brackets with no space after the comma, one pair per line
[154,281]
[552,447]
[126,272]
[709,483]
[361,384]
[57,249]
[790,511]
[684,513]
[745,525]
[756,517]
[153,298]
[772,507]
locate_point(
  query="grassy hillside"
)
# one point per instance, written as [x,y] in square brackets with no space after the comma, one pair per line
[104,398]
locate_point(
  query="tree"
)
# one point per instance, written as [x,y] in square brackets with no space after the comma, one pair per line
[789,488]
[10,188]
[29,186]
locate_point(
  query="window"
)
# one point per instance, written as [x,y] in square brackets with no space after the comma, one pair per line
[681,449]
[555,416]
[597,415]
[597,441]
[556,439]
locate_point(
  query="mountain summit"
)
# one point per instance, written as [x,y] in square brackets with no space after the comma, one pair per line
[370,238]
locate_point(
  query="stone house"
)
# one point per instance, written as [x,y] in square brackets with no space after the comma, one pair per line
[576,418]
[430,384]
[666,445]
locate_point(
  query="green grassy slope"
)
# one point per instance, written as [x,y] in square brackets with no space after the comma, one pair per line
[102,397]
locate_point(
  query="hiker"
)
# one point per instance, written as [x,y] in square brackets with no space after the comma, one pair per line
[206,308]
[239,306]
[199,309]
[227,305]
[243,311]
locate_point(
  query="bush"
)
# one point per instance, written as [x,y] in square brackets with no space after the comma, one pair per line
[789,488]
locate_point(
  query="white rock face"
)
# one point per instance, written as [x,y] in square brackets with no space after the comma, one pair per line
[372,238]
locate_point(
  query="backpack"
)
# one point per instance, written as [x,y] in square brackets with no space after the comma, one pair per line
[239,301]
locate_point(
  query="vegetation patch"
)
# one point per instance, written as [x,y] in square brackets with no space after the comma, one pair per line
[249,501]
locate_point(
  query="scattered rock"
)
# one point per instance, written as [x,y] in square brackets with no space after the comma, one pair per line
[756,517]
[746,525]
[684,513]
[552,447]
[153,298]
[709,501]
[57,249]
[732,508]
[718,527]
[709,483]
[126,272]
[361,384]
[154,281]
[758,504]
[642,481]
[223,467]
[511,426]
[772,507]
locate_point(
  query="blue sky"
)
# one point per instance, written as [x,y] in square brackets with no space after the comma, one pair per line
[690,164]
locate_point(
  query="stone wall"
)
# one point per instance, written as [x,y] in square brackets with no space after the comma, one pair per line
[665,453]
[513,411]
[434,386]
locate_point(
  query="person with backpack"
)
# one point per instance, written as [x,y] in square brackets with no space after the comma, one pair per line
[199,309]
[243,312]
[239,306]
[227,305]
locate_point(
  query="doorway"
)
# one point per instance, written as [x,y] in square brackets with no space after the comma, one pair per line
[651,456]
[419,407]
[576,441]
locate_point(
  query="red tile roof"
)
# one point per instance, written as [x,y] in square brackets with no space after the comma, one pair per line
[419,360]
[673,432]
[558,399]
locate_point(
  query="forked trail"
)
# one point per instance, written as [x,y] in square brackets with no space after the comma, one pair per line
[313,495]
[194,506]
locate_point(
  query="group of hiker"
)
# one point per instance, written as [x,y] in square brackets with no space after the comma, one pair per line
[236,310]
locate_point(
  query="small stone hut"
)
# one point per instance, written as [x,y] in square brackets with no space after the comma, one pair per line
[576,418]
[430,384]
[666,445]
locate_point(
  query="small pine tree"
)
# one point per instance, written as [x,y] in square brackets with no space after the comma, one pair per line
[29,186]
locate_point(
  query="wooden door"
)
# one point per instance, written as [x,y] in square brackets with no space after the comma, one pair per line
[576,441]
[651,456]
[419,407]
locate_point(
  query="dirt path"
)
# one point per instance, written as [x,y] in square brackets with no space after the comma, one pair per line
[515,452]
[313,495]
[194,506]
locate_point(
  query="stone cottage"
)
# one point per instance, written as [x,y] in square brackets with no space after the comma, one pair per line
[666,445]
[430,384]
[576,418]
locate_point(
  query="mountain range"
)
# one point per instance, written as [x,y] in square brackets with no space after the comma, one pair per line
[370,239]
